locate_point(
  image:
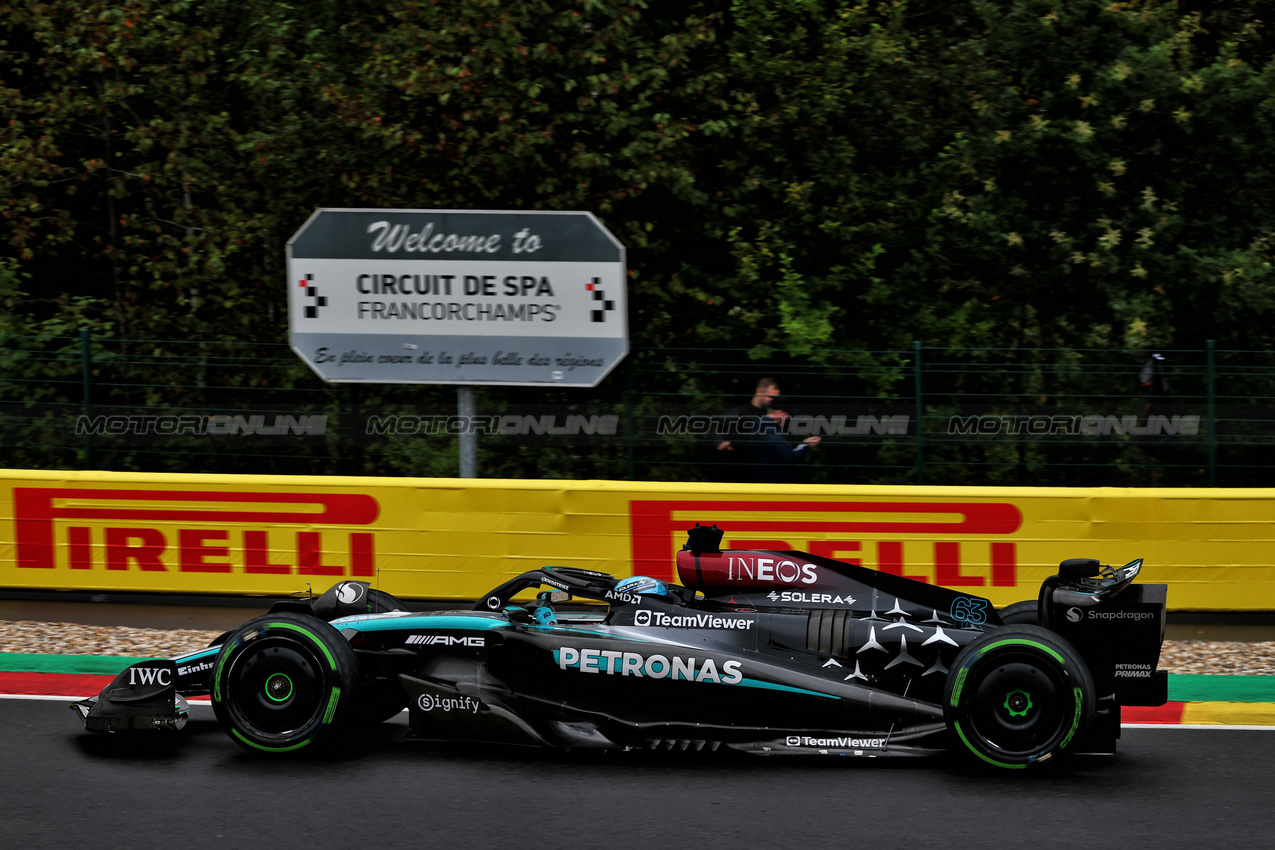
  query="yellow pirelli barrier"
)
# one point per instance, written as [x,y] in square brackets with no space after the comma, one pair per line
[456,538]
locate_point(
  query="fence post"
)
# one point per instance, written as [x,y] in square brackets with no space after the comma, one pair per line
[920,412]
[629,425]
[354,409]
[1208,383]
[86,363]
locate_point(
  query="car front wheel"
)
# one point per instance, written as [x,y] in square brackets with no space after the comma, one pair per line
[283,682]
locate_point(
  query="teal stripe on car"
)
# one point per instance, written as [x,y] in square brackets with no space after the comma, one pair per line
[772,686]
[373,623]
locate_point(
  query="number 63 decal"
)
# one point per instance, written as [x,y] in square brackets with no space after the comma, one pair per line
[972,611]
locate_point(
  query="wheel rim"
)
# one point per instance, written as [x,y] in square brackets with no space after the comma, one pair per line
[276,686]
[1019,706]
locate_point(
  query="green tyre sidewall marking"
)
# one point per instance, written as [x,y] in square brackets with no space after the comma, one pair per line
[960,683]
[1022,642]
[966,741]
[221,662]
[1078,697]
[1067,728]
[264,748]
[311,635]
[222,694]
[965,668]
[225,654]
[332,701]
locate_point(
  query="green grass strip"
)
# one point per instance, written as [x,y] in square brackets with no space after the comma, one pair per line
[1196,687]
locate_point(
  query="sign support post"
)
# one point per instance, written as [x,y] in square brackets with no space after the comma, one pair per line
[468,439]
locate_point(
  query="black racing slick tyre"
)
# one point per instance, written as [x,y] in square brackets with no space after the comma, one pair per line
[1018,697]
[380,602]
[283,682]
[1021,614]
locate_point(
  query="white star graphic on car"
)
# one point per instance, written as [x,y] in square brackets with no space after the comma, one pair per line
[934,619]
[904,656]
[857,674]
[936,667]
[872,643]
[939,636]
[897,610]
[831,662]
[901,624]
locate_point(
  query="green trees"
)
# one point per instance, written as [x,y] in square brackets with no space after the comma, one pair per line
[1114,182]
[1003,174]
[809,179]
[795,174]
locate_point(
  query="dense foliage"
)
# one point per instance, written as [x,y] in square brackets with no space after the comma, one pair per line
[805,179]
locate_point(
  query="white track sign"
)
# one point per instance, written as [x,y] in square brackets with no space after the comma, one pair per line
[457,297]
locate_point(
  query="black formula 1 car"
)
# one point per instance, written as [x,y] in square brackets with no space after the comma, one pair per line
[761,651]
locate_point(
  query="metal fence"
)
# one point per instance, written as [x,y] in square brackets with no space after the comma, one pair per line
[920,415]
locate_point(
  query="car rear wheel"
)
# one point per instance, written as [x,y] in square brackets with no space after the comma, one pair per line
[282,682]
[1018,696]
[1021,614]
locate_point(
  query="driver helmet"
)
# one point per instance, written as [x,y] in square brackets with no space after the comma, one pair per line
[642,584]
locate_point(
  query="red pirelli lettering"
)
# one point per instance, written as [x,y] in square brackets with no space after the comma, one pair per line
[947,567]
[890,559]
[120,548]
[80,547]
[256,555]
[656,534]
[835,548]
[194,551]
[36,509]
[310,557]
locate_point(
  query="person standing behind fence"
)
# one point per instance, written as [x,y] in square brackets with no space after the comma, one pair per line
[759,444]
[1157,446]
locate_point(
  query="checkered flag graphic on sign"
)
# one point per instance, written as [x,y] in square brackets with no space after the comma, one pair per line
[603,306]
[312,310]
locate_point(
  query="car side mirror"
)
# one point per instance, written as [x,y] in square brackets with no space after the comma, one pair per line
[1077,568]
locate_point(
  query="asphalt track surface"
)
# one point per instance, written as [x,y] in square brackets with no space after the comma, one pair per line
[62,787]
